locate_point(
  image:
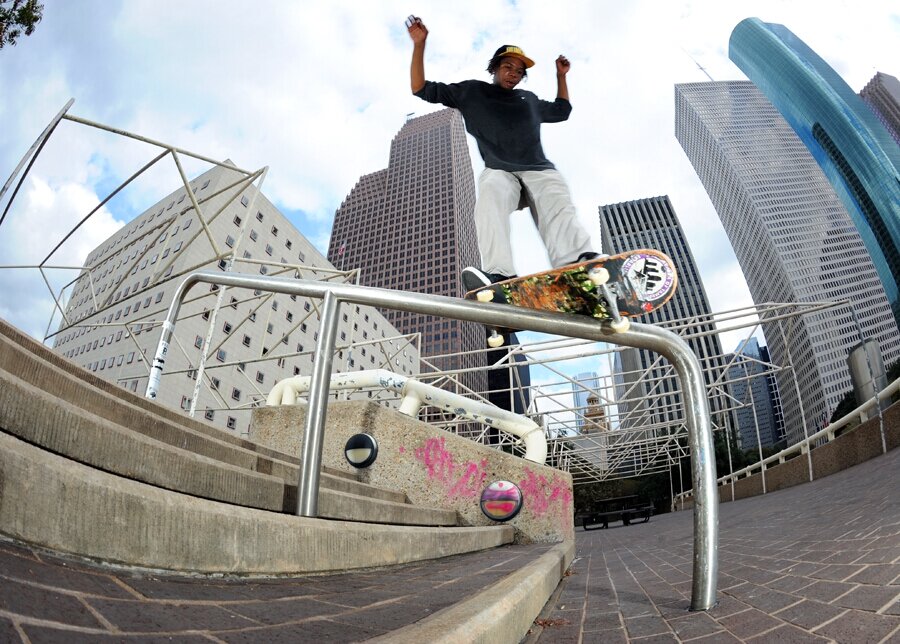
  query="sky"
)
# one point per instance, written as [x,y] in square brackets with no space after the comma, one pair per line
[316,90]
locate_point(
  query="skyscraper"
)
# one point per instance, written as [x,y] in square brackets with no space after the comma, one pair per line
[256,339]
[792,236]
[854,149]
[750,387]
[882,94]
[652,223]
[410,227]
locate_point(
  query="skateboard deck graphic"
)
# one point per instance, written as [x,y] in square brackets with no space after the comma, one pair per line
[611,288]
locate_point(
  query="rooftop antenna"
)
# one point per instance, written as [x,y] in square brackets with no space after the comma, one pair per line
[699,66]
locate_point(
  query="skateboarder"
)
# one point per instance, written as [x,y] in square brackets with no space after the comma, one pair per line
[506,123]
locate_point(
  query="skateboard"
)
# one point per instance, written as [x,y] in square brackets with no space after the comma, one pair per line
[613,288]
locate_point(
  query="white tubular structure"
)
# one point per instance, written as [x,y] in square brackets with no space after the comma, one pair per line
[416,395]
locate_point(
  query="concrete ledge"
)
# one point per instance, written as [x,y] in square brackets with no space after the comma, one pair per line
[41,419]
[64,506]
[435,468]
[500,614]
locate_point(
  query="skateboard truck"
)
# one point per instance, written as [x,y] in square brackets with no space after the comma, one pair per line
[618,323]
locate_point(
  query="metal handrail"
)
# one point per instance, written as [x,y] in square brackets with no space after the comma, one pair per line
[676,350]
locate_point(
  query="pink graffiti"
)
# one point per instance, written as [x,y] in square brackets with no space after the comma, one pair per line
[402,450]
[542,496]
[437,460]
[471,482]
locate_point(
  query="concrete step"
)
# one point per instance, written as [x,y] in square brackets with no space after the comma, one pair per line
[56,503]
[56,425]
[32,363]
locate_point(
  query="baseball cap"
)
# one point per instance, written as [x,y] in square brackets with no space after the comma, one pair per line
[515,52]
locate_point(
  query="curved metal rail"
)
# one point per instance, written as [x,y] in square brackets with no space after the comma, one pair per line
[416,395]
[666,343]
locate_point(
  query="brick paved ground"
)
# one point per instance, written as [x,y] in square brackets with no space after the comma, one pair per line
[815,563]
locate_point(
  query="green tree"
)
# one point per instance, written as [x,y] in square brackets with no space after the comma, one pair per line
[18,17]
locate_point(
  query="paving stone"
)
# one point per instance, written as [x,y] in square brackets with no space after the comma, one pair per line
[8,632]
[57,573]
[645,626]
[871,598]
[49,635]
[284,611]
[858,627]
[387,617]
[810,614]
[602,621]
[695,625]
[790,583]
[749,623]
[605,637]
[825,591]
[309,631]
[31,601]
[192,589]
[877,574]
[788,635]
[150,617]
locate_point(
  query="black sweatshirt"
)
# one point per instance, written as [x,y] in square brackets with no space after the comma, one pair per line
[505,123]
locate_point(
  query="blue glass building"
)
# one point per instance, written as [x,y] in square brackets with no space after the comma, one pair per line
[853,148]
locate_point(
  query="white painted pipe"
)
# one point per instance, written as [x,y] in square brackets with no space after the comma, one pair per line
[417,394]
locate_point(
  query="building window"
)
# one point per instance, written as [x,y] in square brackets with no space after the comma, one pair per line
[244,201]
[198,342]
[209,414]
[231,423]
[236,220]
[235,393]
[221,355]
[260,378]
[246,340]
[253,235]
[274,231]
[226,327]
[259,216]
[214,383]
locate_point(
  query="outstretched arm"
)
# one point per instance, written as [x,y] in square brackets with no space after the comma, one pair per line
[418,33]
[562,68]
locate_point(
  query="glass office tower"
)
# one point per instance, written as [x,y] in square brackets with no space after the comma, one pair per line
[854,149]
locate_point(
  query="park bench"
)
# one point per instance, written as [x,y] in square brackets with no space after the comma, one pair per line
[627,509]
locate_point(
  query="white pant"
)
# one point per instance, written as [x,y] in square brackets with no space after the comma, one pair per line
[500,193]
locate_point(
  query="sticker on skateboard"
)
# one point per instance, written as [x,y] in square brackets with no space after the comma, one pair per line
[609,288]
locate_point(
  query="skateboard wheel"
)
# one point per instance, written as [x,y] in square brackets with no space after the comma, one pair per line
[485,295]
[495,340]
[598,275]
[621,325]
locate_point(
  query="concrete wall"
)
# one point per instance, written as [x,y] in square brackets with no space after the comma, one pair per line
[433,467]
[850,448]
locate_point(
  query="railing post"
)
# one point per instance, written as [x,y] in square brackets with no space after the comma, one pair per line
[311,460]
